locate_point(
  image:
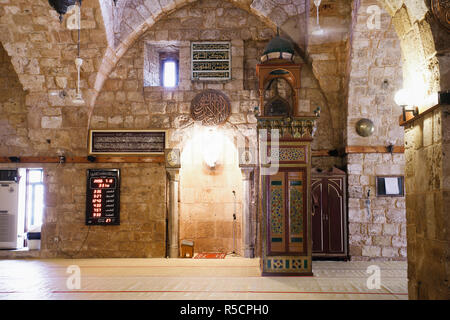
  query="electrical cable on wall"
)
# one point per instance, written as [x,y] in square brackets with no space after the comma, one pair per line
[78,61]
[71,256]
[234,225]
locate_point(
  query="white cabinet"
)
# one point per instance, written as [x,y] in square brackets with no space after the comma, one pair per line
[11,228]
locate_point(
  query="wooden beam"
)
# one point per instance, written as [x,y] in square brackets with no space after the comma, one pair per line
[98,159]
[411,118]
[373,149]
[320,153]
[160,158]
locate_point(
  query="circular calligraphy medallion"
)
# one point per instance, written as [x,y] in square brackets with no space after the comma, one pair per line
[441,11]
[211,107]
[172,158]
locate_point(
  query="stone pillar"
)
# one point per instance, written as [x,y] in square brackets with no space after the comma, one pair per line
[249,250]
[427,176]
[174,180]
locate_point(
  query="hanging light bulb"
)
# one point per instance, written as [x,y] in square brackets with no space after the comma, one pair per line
[78,62]
[318,30]
[317,4]
[79,97]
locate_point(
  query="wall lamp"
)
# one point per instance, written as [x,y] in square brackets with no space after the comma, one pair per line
[61,6]
[406,98]
[212,147]
[403,99]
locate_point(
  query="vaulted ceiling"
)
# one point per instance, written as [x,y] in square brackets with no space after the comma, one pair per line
[42,50]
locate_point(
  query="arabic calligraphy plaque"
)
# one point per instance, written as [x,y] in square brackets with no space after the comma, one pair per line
[212,107]
[127,142]
[211,60]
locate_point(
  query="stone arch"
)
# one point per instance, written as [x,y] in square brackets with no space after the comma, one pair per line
[419,36]
[311,95]
[14,123]
[40,48]
[140,15]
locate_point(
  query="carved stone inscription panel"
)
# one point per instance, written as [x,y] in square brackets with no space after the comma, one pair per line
[211,107]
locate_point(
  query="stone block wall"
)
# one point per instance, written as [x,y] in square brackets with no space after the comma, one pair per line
[54,125]
[43,122]
[142,229]
[125,102]
[427,143]
[13,122]
[380,233]
[375,74]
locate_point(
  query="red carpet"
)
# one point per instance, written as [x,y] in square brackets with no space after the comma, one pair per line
[209,255]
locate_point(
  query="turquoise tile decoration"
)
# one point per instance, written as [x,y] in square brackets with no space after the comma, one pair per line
[296,211]
[276,206]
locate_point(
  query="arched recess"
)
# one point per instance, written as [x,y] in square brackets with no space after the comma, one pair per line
[238,123]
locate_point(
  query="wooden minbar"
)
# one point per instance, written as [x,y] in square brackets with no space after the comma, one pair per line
[284,140]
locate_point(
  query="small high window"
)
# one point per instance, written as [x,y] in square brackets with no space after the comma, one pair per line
[169,73]
[161,64]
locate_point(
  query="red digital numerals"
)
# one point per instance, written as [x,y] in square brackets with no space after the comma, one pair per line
[103,183]
[97,203]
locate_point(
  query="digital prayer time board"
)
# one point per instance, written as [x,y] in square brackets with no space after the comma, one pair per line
[102,198]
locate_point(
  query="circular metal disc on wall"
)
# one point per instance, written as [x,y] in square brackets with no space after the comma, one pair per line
[212,107]
[365,127]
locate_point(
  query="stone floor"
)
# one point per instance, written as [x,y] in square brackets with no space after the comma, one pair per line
[191,279]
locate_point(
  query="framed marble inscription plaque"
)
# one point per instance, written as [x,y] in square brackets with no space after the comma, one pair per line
[210,61]
[127,142]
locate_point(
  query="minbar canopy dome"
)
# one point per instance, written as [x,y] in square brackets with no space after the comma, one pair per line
[278,48]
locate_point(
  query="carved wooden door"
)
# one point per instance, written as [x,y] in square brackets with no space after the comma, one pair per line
[287,217]
[329,222]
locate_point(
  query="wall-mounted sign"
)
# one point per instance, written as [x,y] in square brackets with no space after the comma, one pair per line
[390,186]
[210,60]
[103,197]
[127,142]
